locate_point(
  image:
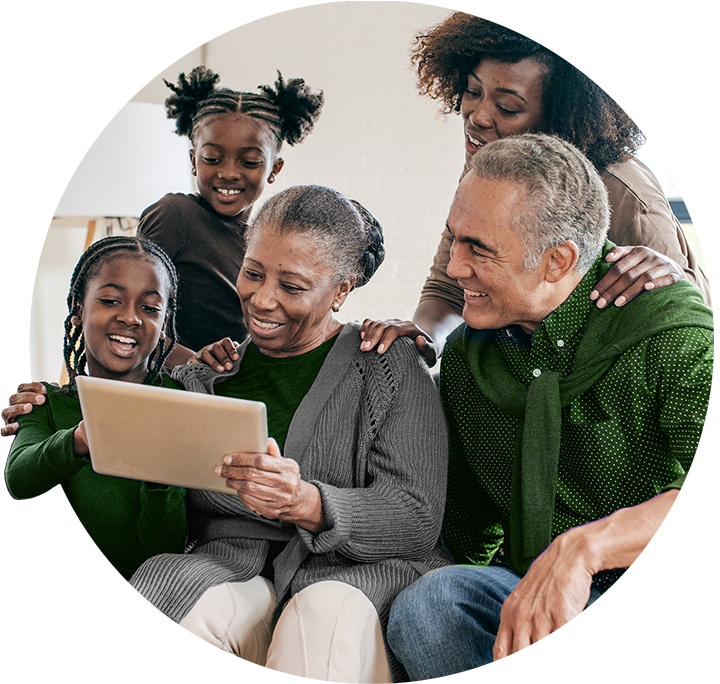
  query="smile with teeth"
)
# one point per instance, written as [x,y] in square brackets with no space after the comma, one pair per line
[263,325]
[473,141]
[123,340]
[470,293]
[227,192]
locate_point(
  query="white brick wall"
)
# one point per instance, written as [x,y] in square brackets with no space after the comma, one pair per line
[377,140]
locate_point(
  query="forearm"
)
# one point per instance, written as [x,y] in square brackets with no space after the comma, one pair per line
[179,356]
[673,529]
[438,319]
[33,469]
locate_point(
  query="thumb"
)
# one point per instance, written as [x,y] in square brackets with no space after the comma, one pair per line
[273,448]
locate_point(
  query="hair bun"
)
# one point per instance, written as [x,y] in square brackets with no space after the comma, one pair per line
[375,251]
[189,92]
[298,107]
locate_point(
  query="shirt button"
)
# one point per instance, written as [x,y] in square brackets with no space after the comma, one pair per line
[537,372]
[561,343]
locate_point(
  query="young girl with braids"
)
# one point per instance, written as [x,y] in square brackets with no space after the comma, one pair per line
[121,312]
[236,139]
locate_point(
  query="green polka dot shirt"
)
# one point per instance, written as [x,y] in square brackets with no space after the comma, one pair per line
[630,437]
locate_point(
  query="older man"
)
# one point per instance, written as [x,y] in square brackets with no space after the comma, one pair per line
[572,427]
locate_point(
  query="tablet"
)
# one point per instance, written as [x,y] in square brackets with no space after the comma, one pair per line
[167,436]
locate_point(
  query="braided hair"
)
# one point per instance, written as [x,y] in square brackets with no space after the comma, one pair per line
[99,253]
[575,108]
[348,232]
[289,108]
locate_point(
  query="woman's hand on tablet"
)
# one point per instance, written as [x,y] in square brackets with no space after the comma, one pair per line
[218,355]
[271,486]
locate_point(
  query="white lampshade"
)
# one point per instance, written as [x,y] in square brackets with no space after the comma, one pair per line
[134,162]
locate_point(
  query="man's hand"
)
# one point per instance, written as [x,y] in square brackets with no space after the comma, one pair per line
[553,592]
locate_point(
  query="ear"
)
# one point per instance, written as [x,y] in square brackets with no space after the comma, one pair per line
[561,261]
[76,318]
[192,161]
[341,293]
[276,169]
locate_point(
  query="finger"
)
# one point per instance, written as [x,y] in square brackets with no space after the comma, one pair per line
[210,358]
[617,253]
[273,448]
[617,281]
[503,641]
[427,349]
[258,461]
[33,387]
[9,430]
[662,281]
[27,397]
[10,413]
[371,332]
[389,335]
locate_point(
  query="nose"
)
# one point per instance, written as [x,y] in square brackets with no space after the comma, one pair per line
[129,316]
[480,114]
[458,267]
[229,170]
[264,299]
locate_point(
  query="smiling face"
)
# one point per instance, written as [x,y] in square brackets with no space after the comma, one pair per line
[287,290]
[487,257]
[502,99]
[122,316]
[234,156]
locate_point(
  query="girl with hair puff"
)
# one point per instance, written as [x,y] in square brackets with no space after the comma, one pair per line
[236,139]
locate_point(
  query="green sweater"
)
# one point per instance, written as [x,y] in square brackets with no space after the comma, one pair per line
[130,521]
[595,411]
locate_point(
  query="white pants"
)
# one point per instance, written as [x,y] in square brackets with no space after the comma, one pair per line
[329,631]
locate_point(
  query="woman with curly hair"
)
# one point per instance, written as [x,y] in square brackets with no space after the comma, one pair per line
[502,84]
[236,139]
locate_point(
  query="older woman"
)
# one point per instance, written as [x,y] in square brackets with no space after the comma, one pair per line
[344,510]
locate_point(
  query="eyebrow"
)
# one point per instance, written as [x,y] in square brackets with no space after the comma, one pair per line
[286,273]
[220,147]
[467,239]
[501,90]
[122,288]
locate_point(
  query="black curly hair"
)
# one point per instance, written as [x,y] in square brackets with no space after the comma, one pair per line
[290,108]
[99,253]
[575,108]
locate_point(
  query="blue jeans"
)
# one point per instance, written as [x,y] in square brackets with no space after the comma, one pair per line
[446,622]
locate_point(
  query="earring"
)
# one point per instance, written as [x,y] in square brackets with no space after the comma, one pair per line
[194,171]
[335,307]
[271,178]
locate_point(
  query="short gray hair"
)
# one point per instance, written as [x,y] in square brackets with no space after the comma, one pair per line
[565,198]
[351,237]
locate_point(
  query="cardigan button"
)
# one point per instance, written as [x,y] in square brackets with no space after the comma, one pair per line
[561,343]
[537,372]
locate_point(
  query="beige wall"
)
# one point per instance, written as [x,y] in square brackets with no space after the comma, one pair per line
[377,141]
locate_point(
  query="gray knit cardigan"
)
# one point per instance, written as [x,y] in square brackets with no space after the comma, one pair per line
[371,435]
